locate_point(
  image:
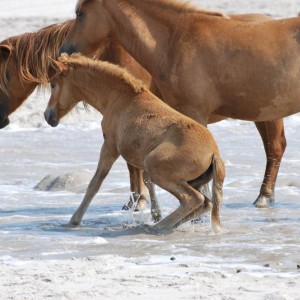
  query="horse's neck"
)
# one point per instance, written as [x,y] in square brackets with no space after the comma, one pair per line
[144,33]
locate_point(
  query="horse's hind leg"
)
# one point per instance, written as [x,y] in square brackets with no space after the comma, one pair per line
[272,134]
[137,199]
[107,157]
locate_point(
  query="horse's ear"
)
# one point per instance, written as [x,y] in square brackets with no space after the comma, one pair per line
[5,52]
[59,67]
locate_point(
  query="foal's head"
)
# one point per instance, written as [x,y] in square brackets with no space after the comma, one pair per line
[63,94]
[90,29]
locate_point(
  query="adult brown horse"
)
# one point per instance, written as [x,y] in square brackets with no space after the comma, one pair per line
[204,64]
[24,66]
[132,116]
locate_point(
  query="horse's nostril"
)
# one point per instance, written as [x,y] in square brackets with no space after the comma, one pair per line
[50,117]
[67,49]
[2,113]
[4,121]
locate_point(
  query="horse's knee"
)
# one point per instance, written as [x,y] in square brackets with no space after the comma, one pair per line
[278,148]
[283,144]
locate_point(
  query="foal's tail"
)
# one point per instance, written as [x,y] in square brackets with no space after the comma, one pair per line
[217,192]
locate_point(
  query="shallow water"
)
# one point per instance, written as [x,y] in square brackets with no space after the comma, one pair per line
[33,224]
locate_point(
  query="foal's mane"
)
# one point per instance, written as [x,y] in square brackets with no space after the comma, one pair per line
[106,69]
[31,51]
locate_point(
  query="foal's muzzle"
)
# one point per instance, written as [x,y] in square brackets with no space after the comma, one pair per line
[50,117]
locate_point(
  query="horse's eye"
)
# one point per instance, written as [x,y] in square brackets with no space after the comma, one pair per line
[79,14]
[52,85]
[7,75]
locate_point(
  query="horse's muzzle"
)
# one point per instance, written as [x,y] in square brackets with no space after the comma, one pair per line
[4,122]
[50,117]
[69,49]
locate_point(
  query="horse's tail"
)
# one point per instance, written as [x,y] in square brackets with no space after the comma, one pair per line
[217,192]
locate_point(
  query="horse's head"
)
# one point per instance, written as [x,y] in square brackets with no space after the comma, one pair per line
[90,29]
[62,98]
[4,98]
[13,89]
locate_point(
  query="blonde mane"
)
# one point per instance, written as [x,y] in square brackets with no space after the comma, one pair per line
[31,51]
[108,69]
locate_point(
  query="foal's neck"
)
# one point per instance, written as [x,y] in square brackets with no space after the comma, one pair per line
[103,88]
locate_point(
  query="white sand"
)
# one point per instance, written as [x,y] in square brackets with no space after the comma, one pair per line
[111,277]
[134,274]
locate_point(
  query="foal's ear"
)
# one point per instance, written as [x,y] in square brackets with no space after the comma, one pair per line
[59,67]
[5,52]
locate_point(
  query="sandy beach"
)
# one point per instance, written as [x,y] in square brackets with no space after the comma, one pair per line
[111,255]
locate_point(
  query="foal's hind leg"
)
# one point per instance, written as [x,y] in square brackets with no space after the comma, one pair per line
[107,157]
[189,199]
[198,212]
[137,199]
[272,134]
[155,210]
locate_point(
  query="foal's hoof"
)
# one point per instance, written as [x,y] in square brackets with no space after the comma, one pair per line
[156,215]
[264,201]
[141,204]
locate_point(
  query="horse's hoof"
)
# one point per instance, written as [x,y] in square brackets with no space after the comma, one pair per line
[129,205]
[125,207]
[74,223]
[71,225]
[264,201]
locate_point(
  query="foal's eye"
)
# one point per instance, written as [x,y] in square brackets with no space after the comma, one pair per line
[79,14]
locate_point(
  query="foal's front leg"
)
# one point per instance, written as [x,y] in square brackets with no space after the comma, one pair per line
[137,199]
[108,156]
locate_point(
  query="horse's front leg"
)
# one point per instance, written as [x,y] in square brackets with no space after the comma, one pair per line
[137,199]
[272,134]
[108,156]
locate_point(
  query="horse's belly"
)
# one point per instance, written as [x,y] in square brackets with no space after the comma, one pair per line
[277,112]
[260,110]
